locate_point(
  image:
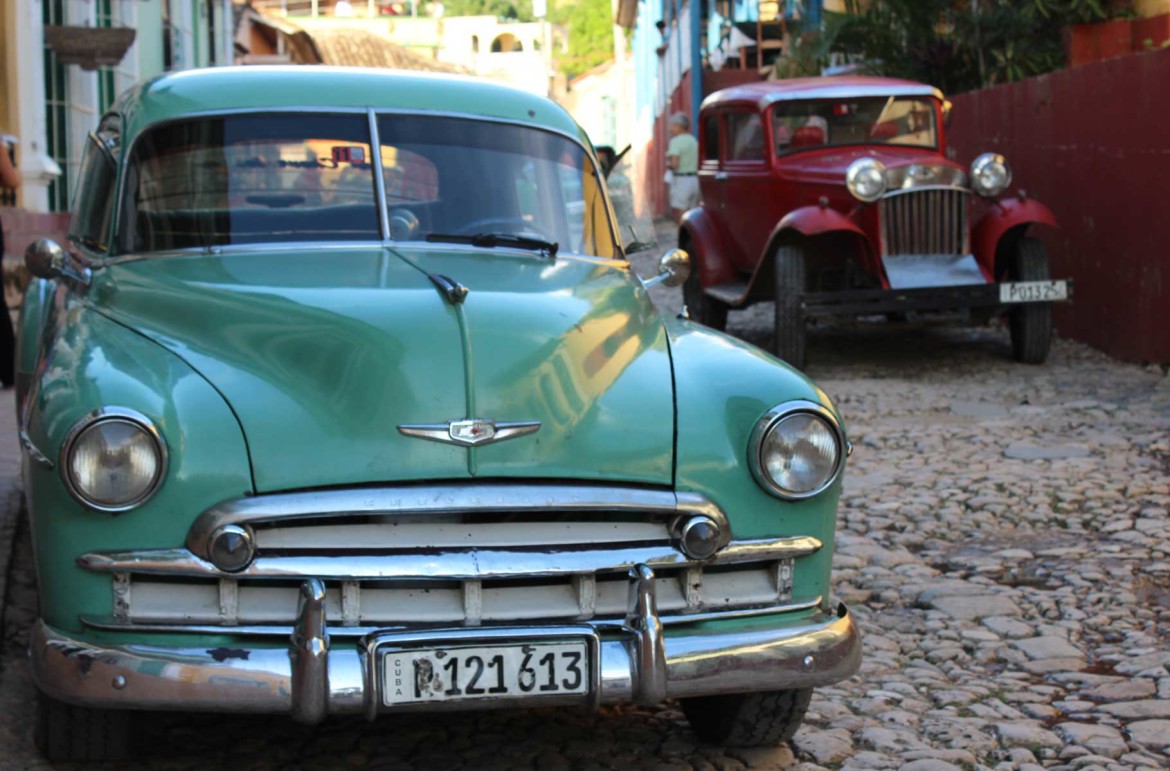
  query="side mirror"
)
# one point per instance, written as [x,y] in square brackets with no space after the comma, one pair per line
[674,268]
[45,258]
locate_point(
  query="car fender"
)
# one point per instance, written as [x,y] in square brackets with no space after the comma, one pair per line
[92,362]
[1000,219]
[707,247]
[814,221]
[807,222]
[723,387]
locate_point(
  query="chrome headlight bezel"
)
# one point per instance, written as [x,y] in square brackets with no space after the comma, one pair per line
[984,163]
[853,176]
[773,418]
[107,415]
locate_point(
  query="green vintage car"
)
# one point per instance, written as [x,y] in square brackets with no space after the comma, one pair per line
[343,398]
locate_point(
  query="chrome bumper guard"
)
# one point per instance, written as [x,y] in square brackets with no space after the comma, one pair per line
[311,680]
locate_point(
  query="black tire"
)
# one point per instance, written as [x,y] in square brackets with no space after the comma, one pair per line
[790,322]
[702,307]
[1030,325]
[67,733]
[747,719]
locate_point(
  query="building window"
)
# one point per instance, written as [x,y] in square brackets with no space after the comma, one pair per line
[56,109]
[475,44]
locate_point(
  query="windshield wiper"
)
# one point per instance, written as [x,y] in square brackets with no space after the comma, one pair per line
[489,240]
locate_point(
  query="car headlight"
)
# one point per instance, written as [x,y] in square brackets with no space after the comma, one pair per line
[990,174]
[113,460]
[797,450]
[866,179]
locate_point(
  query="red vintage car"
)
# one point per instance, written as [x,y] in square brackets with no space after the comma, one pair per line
[835,197]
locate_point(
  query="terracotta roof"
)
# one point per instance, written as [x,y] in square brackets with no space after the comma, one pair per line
[350,47]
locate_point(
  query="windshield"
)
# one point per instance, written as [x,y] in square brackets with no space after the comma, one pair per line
[874,120]
[264,178]
[458,177]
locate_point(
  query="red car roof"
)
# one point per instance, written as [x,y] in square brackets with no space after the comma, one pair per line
[766,92]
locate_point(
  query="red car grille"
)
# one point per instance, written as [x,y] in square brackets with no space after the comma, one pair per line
[933,221]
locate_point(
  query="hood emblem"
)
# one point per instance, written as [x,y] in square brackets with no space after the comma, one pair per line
[471,432]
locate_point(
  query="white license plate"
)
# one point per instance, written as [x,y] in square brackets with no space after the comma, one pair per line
[1033,291]
[485,672]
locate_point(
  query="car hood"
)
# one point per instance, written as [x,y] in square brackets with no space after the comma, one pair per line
[829,165]
[322,353]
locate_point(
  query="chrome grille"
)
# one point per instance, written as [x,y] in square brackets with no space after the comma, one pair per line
[463,556]
[232,602]
[925,221]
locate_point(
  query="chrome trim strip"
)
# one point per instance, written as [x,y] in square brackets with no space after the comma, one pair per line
[379,176]
[446,432]
[774,416]
[33,451]
[819,650]
[113,414]
[922,188]
[461,498]
[452,564]
[273,630]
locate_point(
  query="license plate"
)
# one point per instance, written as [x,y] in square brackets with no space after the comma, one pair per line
[466,673]
[1033,291]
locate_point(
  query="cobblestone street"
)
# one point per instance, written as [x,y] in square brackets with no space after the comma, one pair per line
[1003,539]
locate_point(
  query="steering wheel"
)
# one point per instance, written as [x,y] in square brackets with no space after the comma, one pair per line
[403,224]
[520,227]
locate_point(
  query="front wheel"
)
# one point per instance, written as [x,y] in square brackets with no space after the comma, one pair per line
[69,733]
[702,307]
[747,719]
[790,322]
[1031,324]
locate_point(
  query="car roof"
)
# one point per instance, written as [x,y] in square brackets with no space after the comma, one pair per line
[290,87]
[764,93]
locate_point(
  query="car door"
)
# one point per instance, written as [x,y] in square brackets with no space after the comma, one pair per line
[710,171]
[746,185]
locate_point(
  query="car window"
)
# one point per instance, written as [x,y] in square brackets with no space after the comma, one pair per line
[711,136]
[500,178]
[93,201]
[250,179]
[745,132]
[410,177]
[871,120]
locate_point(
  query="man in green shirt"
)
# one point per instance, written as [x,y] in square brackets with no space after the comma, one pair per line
[682,159]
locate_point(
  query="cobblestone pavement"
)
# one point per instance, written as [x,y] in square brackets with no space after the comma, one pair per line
[1003,542]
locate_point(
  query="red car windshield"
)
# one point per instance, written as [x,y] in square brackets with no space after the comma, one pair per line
[872,120]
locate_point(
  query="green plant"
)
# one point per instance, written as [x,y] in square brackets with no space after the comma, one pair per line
[960,45]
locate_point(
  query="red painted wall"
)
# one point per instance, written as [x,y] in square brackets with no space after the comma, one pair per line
[1091,142]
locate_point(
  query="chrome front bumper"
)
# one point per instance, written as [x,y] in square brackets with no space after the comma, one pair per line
[311,679]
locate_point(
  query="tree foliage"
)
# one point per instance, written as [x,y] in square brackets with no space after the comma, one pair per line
[959,45]
[516,10]
[590,27]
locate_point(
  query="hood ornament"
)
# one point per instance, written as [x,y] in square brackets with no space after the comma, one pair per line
[471,432]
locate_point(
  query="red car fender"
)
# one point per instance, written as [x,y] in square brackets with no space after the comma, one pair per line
[999,219]
[813,221]
[706,246]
